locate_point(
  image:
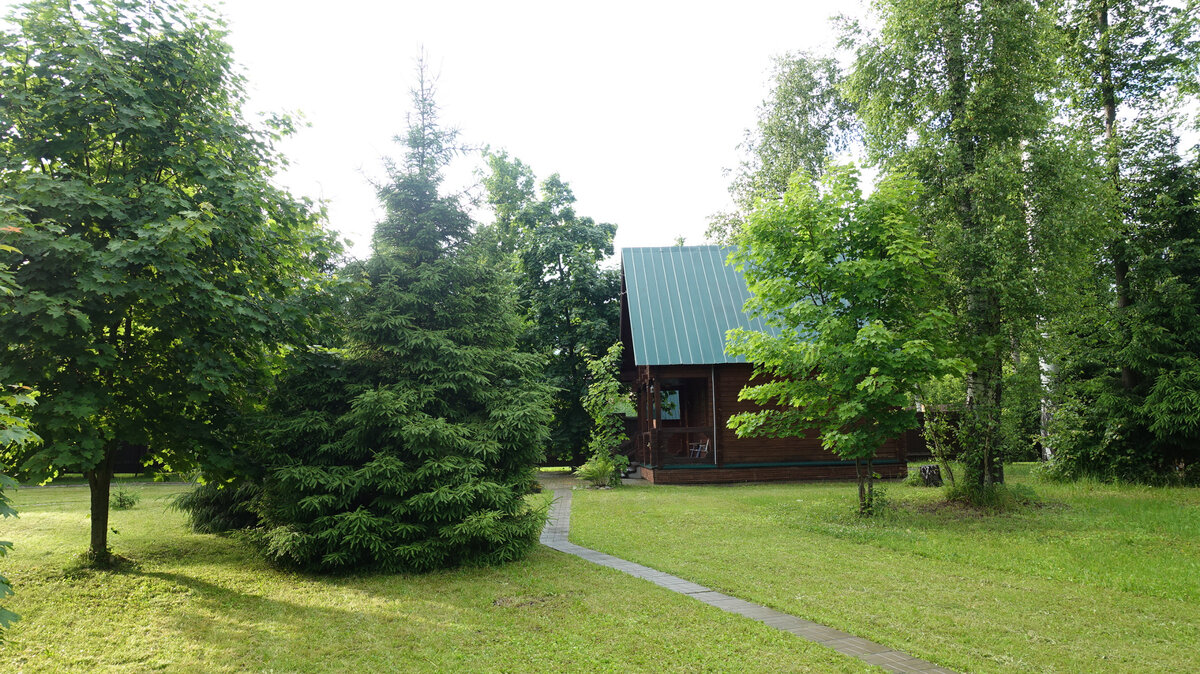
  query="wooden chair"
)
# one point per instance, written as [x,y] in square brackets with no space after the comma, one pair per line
[698,450]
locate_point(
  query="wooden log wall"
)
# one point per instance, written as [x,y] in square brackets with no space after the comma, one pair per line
[733,377]
[738,459]
[763,474]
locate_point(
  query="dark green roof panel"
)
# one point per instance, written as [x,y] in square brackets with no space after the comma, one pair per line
[682,300]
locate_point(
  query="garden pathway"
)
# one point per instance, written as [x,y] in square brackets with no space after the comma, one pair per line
[555,536]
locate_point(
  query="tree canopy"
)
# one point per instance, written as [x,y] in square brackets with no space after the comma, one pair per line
[413,446]
[1127,377]
[851,284]
[160,278]
[567,295]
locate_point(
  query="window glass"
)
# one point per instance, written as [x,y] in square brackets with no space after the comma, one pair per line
[670,405]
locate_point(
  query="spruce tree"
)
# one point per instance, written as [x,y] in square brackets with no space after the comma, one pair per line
[412,448]
[1127,384]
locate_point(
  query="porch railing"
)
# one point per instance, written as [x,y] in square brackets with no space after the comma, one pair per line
[678,446]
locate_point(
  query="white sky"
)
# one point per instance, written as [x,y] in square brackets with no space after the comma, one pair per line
[638,105]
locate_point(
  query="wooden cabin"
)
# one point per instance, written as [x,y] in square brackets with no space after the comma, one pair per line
[677,303]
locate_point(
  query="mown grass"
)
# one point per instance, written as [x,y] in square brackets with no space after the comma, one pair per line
[193,602]
[1094,578]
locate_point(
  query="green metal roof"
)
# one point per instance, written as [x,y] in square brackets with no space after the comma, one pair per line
[682,300]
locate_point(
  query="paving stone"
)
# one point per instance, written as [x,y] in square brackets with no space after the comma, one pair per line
[858,644]
[555,536]
[787,623]
[709,596]
[758,612]
[739,606]
[820,633]
[691,589]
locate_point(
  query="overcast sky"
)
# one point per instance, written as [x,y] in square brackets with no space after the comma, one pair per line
[640,106]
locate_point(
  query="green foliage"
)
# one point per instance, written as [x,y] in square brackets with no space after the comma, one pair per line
[961,97]
[606,403]
[412,447]
[850,282]
[7,617]
[1127,380]
[568,299]
[15,433]
[601,470]
[1020,418]
[123,499]
[1141,53]
[165,265]
[217,507]
[804,121]
[15,429]
[800,126]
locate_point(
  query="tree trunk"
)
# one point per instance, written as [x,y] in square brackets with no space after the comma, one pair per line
[100,480]
[982,311]
[870,487]
[862,490]
[1118,250]
[1045,416]
[980,425]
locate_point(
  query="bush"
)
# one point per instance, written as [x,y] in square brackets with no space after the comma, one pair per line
[603,469]
[996,497]
[215,508]
[123,499]
[877,504]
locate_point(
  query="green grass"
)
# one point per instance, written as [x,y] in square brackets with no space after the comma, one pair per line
[205,603]
[1098,578]
[67,479]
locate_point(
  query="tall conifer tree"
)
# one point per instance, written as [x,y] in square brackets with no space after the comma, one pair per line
[414,448]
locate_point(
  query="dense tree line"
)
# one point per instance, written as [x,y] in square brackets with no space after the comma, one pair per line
[565,291]
[1055,196]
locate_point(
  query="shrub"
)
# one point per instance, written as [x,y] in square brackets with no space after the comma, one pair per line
[878,503]
[603,469]
[123,499]
[996,497]
[606,401]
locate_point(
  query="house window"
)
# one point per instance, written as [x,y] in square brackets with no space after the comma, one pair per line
[670,405]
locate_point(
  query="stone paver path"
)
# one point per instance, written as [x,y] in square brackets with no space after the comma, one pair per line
[555,536]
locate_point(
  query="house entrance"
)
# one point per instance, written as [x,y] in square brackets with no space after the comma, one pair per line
[676,415]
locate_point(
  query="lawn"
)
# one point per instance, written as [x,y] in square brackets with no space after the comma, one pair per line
[1097,578]
[207,603]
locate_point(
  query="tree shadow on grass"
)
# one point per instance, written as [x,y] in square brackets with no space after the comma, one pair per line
[248,628]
